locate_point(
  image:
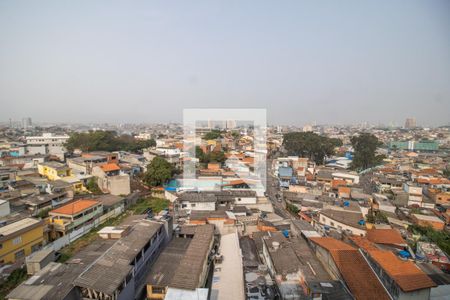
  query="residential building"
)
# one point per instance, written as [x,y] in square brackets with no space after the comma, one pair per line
[75,219]
[425,220]
[402,279]
[343,220]
[344,262]
[58,171]
[20,239]
[111,180]
[121,271]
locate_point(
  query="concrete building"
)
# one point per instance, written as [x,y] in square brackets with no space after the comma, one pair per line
[121,271]
[111,180]
[20,239]
[47,144]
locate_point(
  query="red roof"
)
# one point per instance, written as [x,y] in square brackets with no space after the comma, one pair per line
[110,167]
[385,236]
[75,207]
[405,273]
[361,280]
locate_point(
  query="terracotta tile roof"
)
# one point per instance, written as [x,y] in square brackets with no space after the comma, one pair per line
[110,167]
[75,207]
[405,273]
[362,282]
[385,236]
[363,243]
[335,183]
[331,243]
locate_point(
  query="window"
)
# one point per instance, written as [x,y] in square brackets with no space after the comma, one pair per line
[17,240]
[20,254]
[332,223]
[36,247]
[192,204]
[157,290]
[1,246]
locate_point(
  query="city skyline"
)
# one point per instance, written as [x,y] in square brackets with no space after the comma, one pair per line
[304,62]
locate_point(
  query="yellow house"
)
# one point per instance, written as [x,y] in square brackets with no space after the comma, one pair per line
[55,170]
[20,239]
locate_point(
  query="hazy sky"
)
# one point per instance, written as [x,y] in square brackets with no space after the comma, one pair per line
[305,61]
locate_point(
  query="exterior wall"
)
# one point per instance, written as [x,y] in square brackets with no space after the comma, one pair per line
[341,226]
[37,149]
[245,200]
[24,243]
[119,185]
[211,206]
[425,223]
[4,209]
[324,256]
[112,213]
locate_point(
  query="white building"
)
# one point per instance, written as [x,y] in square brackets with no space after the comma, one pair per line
[47,144]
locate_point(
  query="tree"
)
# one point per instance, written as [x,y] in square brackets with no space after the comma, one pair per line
[159,172]
[214,156]
[212,135]
[106,141]
[92,186]
[364,146]
[309,144]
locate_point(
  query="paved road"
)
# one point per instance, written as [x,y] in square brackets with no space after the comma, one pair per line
[272,191]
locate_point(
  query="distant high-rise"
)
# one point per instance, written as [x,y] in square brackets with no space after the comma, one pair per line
[410,123]
[230,124]
[26,123]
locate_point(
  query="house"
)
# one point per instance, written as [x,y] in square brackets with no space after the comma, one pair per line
[388,237]
[197,201]
[424,220]
[58,171]
[184,264]
[75,219]
[111,180]
[20,239]
[296,270]
[402,279]
[343,220]
[344,262]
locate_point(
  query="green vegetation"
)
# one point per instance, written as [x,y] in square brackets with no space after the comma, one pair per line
[310,144]
[92,186]
[292,208]
[156,204]
[13,280]
[447,173]
[376,217]
[212,135]
[364,146]
[212,157]
[440,238]
[43,213]
[159,172]
[106,141]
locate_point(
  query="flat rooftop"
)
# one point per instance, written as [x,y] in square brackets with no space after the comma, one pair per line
[163,270]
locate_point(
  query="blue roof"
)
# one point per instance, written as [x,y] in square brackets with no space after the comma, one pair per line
[285,172]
